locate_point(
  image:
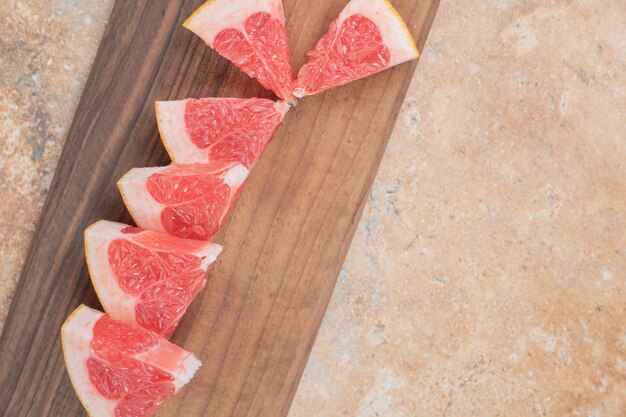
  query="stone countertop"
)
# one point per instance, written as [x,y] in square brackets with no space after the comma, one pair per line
[488,274]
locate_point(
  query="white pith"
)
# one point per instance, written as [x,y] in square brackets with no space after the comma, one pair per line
[180,147]
[282,107]
[171,119]
[144,209]
[216,15]
[394,32]
[236,176]
[115,301]
[76,336]
[179,363]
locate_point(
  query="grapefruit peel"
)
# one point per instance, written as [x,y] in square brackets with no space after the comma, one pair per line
[252,35]
[173,364]
[217,123]
[155,213]
[385,29]
[131,268]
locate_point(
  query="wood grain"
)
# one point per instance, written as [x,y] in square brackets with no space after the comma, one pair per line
[255,324]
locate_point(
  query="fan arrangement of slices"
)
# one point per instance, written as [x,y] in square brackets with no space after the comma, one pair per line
[146,276]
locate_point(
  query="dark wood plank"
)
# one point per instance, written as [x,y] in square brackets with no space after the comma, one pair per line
[256,322]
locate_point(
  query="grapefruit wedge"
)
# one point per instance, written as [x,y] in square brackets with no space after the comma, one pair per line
[188,201]
[218,129]
[146,278]
[369,36]
[252,35]
[118,370]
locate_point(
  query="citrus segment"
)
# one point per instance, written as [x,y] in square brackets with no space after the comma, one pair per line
[252,35]
[144,277]
[218,129]
[188,201]
[118,370]
[369,36]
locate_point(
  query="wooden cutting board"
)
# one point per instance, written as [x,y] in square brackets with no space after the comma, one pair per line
[255,323]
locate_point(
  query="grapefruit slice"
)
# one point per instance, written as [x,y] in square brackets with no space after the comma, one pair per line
[252,35]
[218,129]
[369,36]
[146,278]
[118,370]
[189,201]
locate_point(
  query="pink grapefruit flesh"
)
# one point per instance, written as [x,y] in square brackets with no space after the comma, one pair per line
[188,201]
[218,129]
[146,278]
[119,370]
[369,36]
[252,35]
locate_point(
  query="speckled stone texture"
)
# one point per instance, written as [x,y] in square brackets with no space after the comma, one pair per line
[46,49]
[488,275]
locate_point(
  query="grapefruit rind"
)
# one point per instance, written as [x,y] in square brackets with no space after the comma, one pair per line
[396,35]
[117,303]
[170,117]
[402,31]
[76,337]
[145,210]
[142,207]
[394,31]
[171,122]
[76,351]
[216,15]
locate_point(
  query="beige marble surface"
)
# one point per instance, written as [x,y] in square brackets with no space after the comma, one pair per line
[488,275]
[46,49]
